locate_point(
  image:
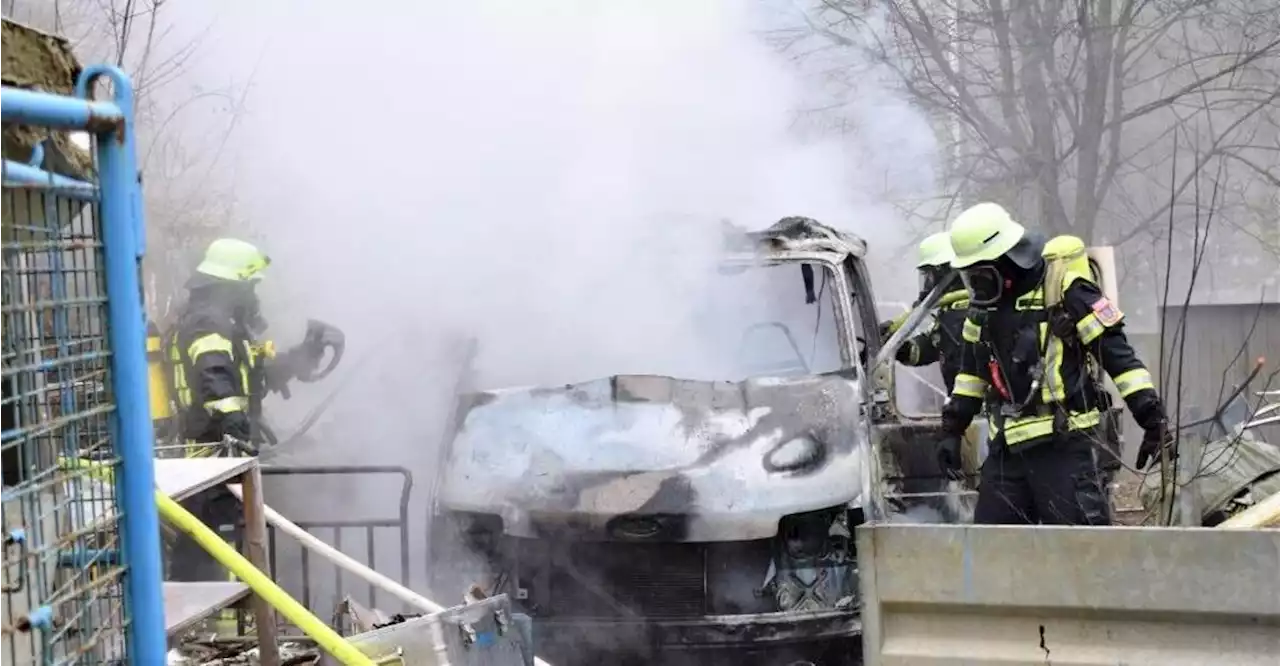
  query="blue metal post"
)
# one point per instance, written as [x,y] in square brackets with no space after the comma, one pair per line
[121,212]
[27,107]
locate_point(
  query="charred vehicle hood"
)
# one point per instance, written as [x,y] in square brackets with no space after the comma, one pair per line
[655,458]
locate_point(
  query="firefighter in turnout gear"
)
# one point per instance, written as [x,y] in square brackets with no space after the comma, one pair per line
[1038,327]
[942,342]
[218,373]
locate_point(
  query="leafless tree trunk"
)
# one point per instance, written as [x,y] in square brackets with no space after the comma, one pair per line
[1067,106]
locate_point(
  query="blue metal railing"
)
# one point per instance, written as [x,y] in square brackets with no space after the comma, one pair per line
[82,563]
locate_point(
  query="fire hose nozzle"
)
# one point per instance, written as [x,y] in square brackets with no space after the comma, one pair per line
[322,339]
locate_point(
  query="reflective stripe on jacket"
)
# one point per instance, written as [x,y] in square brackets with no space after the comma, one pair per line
[1067,389]
[941,344]
[210,376]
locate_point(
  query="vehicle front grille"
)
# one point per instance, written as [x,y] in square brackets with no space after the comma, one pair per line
[591,579]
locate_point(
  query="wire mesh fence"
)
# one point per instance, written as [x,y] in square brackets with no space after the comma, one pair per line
[78,565]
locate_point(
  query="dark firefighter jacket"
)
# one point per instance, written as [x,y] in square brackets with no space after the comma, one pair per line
[1036,369]
[941,344]
[217,373]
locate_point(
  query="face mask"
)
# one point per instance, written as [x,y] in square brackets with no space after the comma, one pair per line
[930,276]
[927,280]
[984,283]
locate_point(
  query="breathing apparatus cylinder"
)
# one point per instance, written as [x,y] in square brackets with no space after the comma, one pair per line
[1063,254]
[162,416]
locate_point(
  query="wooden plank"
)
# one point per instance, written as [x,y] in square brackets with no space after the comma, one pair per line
[185,604]
[255,550]
[181,478]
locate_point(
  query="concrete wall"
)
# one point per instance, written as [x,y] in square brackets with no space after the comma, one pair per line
[936,595]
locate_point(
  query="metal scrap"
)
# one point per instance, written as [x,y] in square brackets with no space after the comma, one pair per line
[240,651]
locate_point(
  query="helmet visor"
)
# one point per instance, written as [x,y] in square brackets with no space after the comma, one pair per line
[983,282]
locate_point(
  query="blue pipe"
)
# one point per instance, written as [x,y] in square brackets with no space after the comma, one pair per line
[27,107]
[17,174]
[121,211]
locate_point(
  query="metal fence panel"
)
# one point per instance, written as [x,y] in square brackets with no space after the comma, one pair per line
[82,577]
[947,595]
[380,542]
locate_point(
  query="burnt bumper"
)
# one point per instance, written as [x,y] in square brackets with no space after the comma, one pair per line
[797,635]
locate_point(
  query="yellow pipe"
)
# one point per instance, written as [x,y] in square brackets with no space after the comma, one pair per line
[264,587]
[101,472]
[226,555]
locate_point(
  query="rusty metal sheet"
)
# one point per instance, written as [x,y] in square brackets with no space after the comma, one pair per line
[942,595]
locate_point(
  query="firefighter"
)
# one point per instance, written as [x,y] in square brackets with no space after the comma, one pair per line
[220,372]
[1037,324]
[941,343]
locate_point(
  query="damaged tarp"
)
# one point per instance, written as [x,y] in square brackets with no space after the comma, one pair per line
[1230,475]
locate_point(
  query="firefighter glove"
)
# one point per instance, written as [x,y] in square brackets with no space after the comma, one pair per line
[235,424]
[239,447]
[1155,439]
[949,456]
[283,369]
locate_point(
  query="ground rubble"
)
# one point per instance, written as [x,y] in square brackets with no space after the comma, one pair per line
[238,652]
[206,648]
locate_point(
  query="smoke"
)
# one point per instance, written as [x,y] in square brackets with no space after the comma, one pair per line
[549,178]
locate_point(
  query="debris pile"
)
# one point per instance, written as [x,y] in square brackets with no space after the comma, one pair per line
[237,652]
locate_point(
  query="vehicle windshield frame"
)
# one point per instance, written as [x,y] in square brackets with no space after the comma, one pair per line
[841,294]
[913,322]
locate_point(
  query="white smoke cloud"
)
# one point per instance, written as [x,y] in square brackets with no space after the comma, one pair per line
[550,178]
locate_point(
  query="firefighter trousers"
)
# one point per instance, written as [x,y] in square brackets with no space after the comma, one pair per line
[1052,481]
[221,511]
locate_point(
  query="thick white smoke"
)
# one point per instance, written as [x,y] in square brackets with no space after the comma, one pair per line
[550,178]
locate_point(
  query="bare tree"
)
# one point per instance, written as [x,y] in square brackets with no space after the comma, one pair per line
[186,204]
[1065,109]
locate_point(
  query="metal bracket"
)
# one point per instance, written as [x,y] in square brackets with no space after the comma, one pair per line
[37,154]
[500,619]
[16,537]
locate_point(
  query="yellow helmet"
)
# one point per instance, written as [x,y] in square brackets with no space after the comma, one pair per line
[935,250]
[983,232]
[235,260]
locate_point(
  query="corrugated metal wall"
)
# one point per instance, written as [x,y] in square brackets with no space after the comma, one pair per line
[1222,344]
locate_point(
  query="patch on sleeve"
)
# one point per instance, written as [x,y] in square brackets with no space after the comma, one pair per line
[1107,312]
